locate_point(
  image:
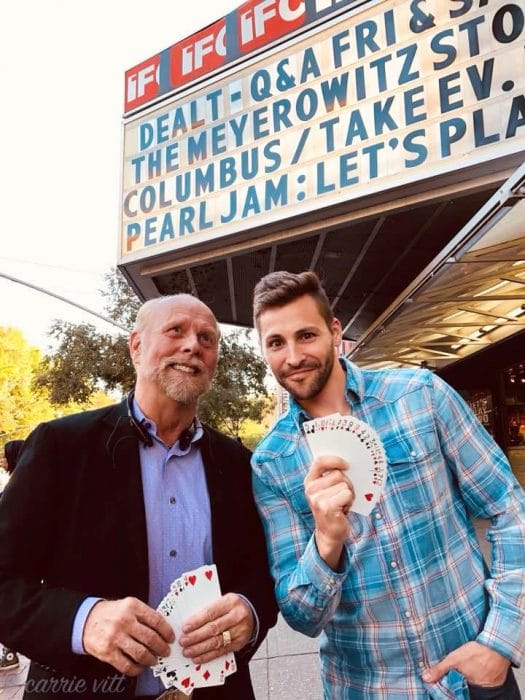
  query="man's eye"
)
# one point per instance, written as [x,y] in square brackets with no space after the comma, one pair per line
[308,335]
[206,339]
[275,343]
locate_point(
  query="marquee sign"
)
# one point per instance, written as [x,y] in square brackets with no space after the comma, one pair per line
[253,25]
[374,98]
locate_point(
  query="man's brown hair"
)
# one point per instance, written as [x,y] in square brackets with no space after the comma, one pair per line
[280,288]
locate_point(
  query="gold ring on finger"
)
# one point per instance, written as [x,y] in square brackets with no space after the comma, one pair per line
[226,638]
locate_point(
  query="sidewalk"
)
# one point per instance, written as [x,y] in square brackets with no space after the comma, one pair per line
[12,682]
[285,666]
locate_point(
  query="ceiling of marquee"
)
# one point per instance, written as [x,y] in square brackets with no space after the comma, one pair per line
[469,298]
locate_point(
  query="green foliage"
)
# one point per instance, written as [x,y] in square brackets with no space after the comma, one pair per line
[22,404]
[238,392]
[252,432]
[85,359]
[122,303]
[21,408]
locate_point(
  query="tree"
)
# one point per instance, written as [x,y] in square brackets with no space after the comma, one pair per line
[22,405]
[21,408]
[86,360]
[122,303]
[253,431]
[238,392]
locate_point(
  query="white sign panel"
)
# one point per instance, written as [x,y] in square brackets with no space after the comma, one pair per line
[373,100]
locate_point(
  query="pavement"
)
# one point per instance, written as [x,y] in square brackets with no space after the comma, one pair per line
[285,667]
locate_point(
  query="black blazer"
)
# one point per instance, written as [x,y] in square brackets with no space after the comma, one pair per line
[72,524]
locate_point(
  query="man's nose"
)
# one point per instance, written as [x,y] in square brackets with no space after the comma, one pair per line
[294,355]
[191,343]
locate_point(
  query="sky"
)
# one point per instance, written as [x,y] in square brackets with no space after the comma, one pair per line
[62,67]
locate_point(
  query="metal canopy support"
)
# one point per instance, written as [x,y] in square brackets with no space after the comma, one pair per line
[317,251]
[191,282]
[358,260]
[273,255]
[231,287]
[397,262]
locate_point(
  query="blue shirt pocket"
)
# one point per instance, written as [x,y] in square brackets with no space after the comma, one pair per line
[414,462]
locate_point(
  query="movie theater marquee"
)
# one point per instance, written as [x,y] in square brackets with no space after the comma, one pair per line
[369,100]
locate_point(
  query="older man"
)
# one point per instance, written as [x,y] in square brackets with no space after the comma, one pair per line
[107,507]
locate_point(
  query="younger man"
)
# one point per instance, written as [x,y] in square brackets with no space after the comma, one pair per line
[405,604]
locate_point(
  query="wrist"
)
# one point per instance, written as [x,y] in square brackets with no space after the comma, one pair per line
[329,548]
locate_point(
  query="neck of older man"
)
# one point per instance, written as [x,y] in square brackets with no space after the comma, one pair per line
[171,417]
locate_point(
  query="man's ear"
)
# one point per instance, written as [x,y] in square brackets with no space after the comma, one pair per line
[337,332]
[134,347]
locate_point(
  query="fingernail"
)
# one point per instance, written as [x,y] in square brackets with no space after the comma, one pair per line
[426,677]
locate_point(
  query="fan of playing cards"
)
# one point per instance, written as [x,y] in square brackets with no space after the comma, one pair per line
[358,444]
[188,595]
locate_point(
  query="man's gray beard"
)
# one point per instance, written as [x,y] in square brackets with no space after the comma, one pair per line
[184,391]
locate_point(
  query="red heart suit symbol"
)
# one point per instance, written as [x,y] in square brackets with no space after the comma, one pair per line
[208,574]
[192,579]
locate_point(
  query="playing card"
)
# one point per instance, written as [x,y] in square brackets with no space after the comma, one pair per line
[201,587]
[188,594]
[169,608]
[358,444]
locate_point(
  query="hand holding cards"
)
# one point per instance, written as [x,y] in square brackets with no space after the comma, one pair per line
[358,444]
[189,594]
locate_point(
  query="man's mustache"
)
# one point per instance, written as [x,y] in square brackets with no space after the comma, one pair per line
[305,364]
[197,365]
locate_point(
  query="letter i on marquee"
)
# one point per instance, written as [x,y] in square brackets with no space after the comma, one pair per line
[142,82]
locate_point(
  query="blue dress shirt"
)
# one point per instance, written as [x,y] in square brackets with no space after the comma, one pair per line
[412,585]
[178,522]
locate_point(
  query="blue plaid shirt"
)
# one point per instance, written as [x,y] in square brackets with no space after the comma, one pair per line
[413,584]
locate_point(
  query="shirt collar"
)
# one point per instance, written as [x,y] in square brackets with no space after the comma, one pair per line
[151,427]
[355,385]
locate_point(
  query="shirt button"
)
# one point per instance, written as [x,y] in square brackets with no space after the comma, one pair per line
[378,516]
[173,500]
[393,564]
[421,664]
[412,454]
[408,613]
[173,553]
